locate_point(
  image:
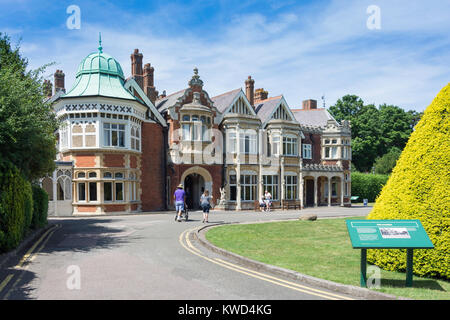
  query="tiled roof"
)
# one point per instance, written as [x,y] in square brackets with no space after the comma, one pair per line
[313,117]
[265,108]
[168,101]
[223,101]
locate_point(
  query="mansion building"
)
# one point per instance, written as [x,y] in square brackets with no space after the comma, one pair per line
[123,147]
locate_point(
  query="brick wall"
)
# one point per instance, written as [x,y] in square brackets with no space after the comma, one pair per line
[85,160]
[114,160]
[315,141]
[152,167]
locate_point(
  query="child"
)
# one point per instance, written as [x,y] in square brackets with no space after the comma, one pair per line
[262,204]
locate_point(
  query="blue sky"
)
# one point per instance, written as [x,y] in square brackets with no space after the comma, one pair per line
[301,49]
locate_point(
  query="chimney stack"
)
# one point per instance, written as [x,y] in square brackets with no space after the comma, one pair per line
[250,90]
[136,67]
[148,83]
[47,88]
[260,95]
[309,104]
[59,81]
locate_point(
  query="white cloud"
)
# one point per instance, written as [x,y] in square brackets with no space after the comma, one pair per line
[302,53]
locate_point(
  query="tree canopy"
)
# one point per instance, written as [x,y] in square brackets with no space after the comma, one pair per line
[27,123]
[374,130]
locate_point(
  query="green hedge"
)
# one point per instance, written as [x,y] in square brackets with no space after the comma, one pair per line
[14,206]
[40,202]
[367,186]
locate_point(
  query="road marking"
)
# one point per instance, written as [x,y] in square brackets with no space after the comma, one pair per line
[258,275]
[28,256]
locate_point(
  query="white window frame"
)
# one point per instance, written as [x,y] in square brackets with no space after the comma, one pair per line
[307,151]
[290,143]
[249,189]
[108,134]
[289,184]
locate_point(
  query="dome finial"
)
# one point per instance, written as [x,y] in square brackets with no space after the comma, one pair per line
[100,48]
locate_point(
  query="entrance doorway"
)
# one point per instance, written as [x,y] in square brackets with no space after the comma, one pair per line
[309,193]
[194,185]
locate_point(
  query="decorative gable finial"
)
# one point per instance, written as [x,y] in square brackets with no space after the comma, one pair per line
[195,81]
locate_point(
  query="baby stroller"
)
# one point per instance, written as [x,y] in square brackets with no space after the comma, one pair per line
[185,212]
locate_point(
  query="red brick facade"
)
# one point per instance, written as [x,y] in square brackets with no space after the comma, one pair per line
[85,160]
[315,140]
[152,167]
[114,160]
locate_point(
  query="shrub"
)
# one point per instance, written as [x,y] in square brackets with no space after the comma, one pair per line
[418,188]
[40,201]
[367,186]
[28,205]
[12,206]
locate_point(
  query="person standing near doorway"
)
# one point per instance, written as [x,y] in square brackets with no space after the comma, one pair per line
[268,200]
[205,202]
[180,200]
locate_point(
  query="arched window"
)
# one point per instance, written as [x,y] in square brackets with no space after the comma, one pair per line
[81,175]
[92,175]
[64,188]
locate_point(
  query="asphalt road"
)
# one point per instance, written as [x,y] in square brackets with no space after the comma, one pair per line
[147,256]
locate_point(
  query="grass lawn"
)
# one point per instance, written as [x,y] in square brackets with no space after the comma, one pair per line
[320,249]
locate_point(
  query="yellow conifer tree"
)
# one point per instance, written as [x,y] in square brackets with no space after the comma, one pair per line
[419,188]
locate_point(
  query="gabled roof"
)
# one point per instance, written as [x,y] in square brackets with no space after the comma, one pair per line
[224,100]
[313,117]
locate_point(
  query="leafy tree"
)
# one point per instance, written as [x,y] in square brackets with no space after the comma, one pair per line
[374,130]
[346,108]
[27,123]
[385,164]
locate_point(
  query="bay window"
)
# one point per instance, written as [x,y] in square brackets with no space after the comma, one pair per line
[114,135]
[290,147]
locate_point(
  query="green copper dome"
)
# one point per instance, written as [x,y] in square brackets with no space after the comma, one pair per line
[99,62]
[99,74]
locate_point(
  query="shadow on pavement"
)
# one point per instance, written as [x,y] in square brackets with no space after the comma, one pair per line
[74,235]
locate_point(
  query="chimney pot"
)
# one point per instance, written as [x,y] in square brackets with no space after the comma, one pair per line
[136,66]
[250,90]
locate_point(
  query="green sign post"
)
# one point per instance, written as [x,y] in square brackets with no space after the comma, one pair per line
[388,234]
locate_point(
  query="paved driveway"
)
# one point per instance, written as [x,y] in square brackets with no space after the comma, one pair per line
[146,256]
